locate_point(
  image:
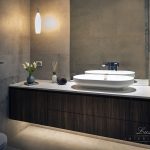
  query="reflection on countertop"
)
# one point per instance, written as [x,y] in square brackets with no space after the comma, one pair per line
[110,90]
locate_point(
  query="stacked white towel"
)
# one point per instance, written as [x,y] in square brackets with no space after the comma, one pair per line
[3,141]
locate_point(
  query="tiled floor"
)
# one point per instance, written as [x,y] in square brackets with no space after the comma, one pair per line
[37,138]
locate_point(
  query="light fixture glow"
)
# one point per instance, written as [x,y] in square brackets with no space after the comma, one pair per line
[38,22]
[51,23]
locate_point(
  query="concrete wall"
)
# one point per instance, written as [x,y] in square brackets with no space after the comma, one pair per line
[14,50]
[51,44]
[106,30]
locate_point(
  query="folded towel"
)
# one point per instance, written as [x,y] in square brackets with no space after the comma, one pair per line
[3,141]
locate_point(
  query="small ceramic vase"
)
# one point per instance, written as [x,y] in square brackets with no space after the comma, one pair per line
[30,79]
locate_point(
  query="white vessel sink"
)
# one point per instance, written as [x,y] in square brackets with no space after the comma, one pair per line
[103,81]
[111,72]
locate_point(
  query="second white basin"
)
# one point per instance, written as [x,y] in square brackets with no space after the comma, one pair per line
[111,72]
[103,81]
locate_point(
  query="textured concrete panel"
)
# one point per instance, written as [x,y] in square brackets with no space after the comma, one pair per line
[14,50]
[106,30]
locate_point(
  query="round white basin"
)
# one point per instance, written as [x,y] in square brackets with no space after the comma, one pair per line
[111,72]
[104,81]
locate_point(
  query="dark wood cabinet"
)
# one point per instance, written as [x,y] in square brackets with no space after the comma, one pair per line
[111,116]
[28,105]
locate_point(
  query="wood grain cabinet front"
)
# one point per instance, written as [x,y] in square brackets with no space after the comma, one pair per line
[116,117]
[28,105]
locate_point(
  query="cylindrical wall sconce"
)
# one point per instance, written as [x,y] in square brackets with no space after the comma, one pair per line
[38,22]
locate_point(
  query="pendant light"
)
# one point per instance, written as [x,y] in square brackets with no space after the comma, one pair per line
[38,22]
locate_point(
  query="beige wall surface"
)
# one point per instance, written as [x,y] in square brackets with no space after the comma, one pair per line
[101,30]
[51,45]
[107,30]
[14,50]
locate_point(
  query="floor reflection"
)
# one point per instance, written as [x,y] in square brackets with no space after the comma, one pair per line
[98,89]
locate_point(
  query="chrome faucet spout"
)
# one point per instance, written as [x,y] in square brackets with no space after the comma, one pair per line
[111,65]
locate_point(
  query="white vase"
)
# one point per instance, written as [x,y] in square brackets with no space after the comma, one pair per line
[54,78]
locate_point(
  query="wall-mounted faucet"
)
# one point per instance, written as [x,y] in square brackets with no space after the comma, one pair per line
[111,65]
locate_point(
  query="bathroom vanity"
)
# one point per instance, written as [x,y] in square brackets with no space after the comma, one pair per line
[117,114]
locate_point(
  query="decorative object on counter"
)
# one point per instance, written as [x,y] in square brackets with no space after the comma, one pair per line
[30,84]
[54,68]
[30,68]
[61,81]
[54,77]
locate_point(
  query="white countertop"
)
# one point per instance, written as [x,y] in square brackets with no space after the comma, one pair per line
[137,90]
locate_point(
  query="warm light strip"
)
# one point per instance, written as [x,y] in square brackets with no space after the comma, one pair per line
[38,23]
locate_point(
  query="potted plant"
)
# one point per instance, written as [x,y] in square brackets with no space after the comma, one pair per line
[30,68]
